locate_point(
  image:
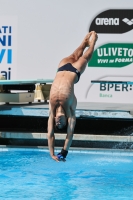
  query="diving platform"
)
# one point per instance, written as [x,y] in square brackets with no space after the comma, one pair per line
[16,95]
[84,110]
[24,113]
[24,90]
[24,118]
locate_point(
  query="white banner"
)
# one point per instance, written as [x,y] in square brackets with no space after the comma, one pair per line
[51,30]
[112,59]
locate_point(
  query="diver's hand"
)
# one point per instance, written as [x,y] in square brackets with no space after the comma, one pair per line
[62,155]
[55,158]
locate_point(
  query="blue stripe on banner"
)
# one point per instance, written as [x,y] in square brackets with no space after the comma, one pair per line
[113,82]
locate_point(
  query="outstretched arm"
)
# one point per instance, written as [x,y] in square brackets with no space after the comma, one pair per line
[70,131]
[71,124]
[51,137]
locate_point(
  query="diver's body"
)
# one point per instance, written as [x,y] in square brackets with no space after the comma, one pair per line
[62,102]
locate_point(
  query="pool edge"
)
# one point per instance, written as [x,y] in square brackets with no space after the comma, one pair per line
[126,152]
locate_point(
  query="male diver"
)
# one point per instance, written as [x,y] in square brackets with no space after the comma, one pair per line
[62,101]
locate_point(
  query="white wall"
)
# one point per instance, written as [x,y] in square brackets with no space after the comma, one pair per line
[48,30]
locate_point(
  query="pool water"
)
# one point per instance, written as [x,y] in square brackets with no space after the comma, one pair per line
[33,175]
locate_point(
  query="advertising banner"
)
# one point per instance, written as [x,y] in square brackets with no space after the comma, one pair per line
[8,47]
[51,30]
[111,61]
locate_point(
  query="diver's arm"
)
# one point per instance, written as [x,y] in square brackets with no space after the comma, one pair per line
[70,131]
[70,113]
[51,137]
[71,124]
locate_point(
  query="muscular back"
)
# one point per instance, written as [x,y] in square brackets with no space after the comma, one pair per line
[62,90]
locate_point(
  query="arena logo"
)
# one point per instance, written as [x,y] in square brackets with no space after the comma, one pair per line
[127,21]
[106,21]
[121,21]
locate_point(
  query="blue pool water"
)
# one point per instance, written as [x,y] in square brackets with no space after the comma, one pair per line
[33,175]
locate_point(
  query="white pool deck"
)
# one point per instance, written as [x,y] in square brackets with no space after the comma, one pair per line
[84,109]
[114,152]
[60,136]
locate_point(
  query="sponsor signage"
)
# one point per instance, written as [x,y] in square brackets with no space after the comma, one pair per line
[112,55]
[113,21]
[111,92]
[112,61]
[8,47]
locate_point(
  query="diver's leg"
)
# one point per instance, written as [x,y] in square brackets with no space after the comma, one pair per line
[75,56]
[81,63]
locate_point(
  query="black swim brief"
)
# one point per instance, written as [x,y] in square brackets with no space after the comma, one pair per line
[69,67]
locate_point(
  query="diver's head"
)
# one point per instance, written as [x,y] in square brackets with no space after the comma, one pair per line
[60,121]
[60,118]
